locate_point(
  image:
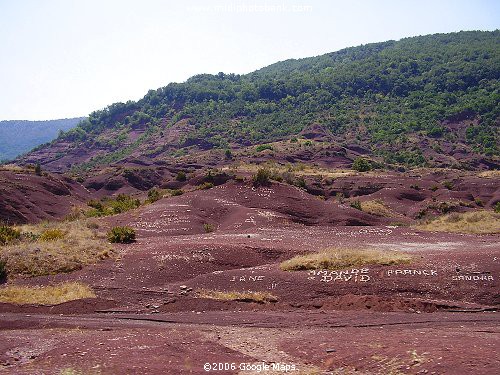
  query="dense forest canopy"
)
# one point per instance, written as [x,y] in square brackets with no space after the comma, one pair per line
[383,91]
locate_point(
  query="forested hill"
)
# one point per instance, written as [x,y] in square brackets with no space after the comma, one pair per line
[19,136]
[397,99]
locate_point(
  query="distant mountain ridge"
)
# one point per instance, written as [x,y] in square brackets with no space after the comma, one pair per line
[423,101]
[20,136]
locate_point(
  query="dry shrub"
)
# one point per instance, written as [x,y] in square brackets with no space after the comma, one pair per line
[377,208]
[480,222]
[295,170]
[8,234]
[14,168]
[52,234]
[45,295]
[32,256]
[453,218]
[337,259]
[259,297]
[489,174]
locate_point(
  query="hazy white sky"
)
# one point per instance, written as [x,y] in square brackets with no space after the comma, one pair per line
[66,58]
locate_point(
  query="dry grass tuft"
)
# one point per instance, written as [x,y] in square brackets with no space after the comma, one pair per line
[14,168]
[259,297]
[70,246]
[298,169]
[479,222]
[337,259]
[489,174]
[52,234]
[45,295]
[377,208]
[70,371]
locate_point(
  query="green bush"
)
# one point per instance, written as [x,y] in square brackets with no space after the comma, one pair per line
[123,203]
[497,207]
[228,154]
[3,270]
[262,177]
[177,192]
[208,227]
[8,234]
[121,235]
[181,176]
[38,169]
[361,165]
[95,213]
[30,236]
[261,148]
[206,186]
[95,204]
[153,196]
[357,205]
[448,185]
[110,206]
[301,183]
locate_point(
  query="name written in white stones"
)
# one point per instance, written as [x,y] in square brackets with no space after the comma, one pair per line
[245,278]
[472,278]
[411,272]
[353,275]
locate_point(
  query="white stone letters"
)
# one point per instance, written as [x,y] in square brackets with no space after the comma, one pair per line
[248,278]
[352,275]
[472,278]
[411,272]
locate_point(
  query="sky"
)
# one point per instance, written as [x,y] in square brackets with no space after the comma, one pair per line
[67,58]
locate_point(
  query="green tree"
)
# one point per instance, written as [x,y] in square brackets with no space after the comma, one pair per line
[361,165]
[38,169]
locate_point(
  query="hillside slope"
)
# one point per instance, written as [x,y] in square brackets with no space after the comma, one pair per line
[19,136]
[430,100]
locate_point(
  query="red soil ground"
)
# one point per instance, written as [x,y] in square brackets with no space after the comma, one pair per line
[436,315]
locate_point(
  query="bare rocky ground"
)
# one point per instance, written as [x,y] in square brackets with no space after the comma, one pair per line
[436,315]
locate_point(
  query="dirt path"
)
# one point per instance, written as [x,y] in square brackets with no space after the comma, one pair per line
[313,342]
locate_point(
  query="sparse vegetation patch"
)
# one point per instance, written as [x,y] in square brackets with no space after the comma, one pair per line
[377,208]
[45,295]
[479,221]
[259,297]
[51,248]
[8,234]
[111,206]
[337,259]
